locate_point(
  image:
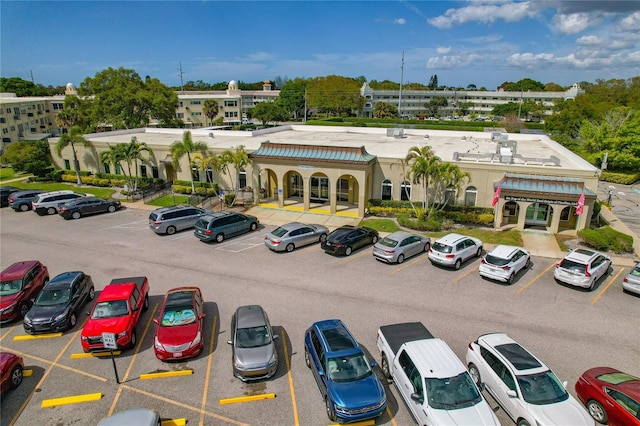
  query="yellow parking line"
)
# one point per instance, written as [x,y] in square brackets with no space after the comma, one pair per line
[9,330]
[93,354]
[174,422]
[88,397]
[536,277]
[458,278]
[27,373]
[247,398]
[595,299]
[207,377]
[296,421]
[393,422]
[165,374]
[34,337]
[406,265]
[362,423]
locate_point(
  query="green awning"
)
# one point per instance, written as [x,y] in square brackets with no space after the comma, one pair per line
[313,153]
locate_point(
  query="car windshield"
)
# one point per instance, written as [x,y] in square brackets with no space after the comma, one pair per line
[573,266]
[494,260]
[279,231]
[635,272]
[110,309]
[542,388]
[178,316]
[53,297]
[442,247]
[452,393]
[348,368]
[9,287]
[253,337]
[388,242]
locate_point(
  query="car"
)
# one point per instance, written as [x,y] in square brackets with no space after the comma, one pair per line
[58,304]
[85,206]
[5,191]
[20,201]
[169,220]
[254,354]
[344,375]
[582,268]
[179,325]
[346,239]
[49,202]
[20,283]
[526,389]
[400,245]
[503,263]
[219,226]
[454,249]
[133,416]
[611,396]
[291,235]
[11,371]
[631,283]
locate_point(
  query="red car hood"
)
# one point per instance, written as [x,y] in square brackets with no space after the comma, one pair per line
[95,327]
[7,300]
[177,335]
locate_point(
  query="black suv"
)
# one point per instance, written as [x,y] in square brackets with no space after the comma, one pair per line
[221,225]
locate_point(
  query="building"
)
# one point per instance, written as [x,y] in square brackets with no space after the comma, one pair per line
[534,180]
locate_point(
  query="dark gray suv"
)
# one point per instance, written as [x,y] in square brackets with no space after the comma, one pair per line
[168,220]
[20,201]
[221,225]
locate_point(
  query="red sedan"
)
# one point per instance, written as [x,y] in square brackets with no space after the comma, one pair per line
[11,367]
[179,331]
[610,395]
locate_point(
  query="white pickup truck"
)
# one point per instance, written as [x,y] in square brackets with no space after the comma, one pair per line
[431,379]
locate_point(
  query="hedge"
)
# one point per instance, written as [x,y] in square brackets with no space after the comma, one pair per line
[607,238]
[621,178]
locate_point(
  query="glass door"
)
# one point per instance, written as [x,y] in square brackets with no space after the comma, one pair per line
[537,214]
[319,189]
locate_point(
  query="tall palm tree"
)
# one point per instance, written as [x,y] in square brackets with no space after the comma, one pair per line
[449,175]
[423,166]
[186,146]
[72,138]
[210,109]
[238,158]
[112,156]
[205,161]
[132,153]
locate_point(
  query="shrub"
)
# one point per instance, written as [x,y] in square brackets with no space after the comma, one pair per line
[621,178]
[430,224]
[607,238]
[181,189]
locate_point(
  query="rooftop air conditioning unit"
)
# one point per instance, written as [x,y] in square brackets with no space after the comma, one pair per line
[210,135]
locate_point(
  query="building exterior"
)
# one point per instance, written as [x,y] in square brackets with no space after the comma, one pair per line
[534,180]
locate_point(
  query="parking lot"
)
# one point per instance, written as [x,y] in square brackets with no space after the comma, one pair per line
[569,329]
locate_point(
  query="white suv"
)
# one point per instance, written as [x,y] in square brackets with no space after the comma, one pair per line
[453,249]
[582,268]
[49,202]
[504,262]
[526,389]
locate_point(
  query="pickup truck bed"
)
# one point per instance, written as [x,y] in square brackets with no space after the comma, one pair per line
[139,281]
[397,334]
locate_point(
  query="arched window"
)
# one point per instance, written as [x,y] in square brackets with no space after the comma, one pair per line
[470,196]
[387,190]
[405,190]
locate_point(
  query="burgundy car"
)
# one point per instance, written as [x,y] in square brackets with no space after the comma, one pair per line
[179,331]
[11,367]
[611,396]
[20,283]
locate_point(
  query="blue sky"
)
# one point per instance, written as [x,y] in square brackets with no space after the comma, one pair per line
[462,42]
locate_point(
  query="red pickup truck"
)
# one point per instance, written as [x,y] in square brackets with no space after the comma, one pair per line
[117,310]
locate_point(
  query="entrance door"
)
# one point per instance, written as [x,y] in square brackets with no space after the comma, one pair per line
[537,214]
[319,189]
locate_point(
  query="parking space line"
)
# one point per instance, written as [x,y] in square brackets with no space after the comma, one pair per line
[611,281]
[76,399]
[124,225]
[296,421]
[203,403]
[24,337]
[247,398]
[524,287]
[9,330]
[348,259]
[460,277]
[64,367]
[406,265]
[393,422]
[164,374]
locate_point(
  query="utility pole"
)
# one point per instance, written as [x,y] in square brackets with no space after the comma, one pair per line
[400,94]
[32,80]
[181,73]
[304,119]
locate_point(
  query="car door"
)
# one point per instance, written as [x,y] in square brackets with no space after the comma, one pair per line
[409,382]
[621,408]
[598,267]
[318,363]
[499,380]
[32,284]
[411,245]
[185,218]
[469,248]
[518,261]
[305,235]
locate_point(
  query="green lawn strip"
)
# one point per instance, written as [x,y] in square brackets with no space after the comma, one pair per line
[381,225]
[7,173]
[170,200]
[105,193]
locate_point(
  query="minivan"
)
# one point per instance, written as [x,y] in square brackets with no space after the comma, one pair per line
[168,220]
[49,202]
[219,226]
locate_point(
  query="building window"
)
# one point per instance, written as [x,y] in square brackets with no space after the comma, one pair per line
[107,170]
[143,170]
[195,174]
[450,196]
[470,196]
[231,114]
[564,214]
[405,190]
[180,115]
[67,165]
[208,174]
[195,102]
[118,169]
[230,103]
[243,178]
[154,172]
[387,190]
[181,105]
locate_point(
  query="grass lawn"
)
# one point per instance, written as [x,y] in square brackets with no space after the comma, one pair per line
[170,200]
[6,173]
[381,225]
[105,193]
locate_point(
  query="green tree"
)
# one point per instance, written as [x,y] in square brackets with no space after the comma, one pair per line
[433,82]
[510,108]
[385,110]
[206,161]
[130,154]
[269,112]
[291,96]
[423,166]
[524,85]
[186,147]
[210,108]
[112,156]
[434,105]
[73,137]
[238,158]
[22,87]
[448,176]
[29,157]
[334,94]
[73,114]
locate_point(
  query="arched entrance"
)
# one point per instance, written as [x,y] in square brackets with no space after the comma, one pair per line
[347,191]
[293,185]
[268,182]
[319,188]
[538,214]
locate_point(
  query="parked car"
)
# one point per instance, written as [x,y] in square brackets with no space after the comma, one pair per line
[582,268]
[20,283]
[254,353]
[11,371]
[288,237]
[5,191]
[503,263]
[133,416]
[346,239]
[20,201]
[49,202]
[85,206]
[219,226]
[526,389]
[398,246]
[631,282]
[349,386]
[168,220]
[57,306]
[179,325]
[611,396]
[453,249]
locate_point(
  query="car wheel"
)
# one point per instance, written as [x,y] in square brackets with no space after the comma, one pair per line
[51,210]
[290,247]
[512,277]
[475,374]
[458,264]
[523,422]
[72,320]
[323,238]
[16,377]
[479,252]
[146,303]
[24,308]
[306,357]
[134,339]
[400,258]
[171,230]
[253,226]
[597,412]
[111,209]
[330,412]
[528,264]
[219,238]
[347,251]
[374,239]
[427,247]
[76,215]
[385,367]
[24,207]
[92,293]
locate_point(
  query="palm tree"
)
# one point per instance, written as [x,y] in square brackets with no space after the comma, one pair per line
[210,109]
[112,156]
[423,165]
[449,176]
[131,153]
[206,161]
[72,138]
[186,146]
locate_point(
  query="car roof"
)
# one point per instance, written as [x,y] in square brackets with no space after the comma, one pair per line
[18,269]
[172,208]
[64,279]
[250,316]
[292,226]
[401,235]
[512,353]
[180,297]
[117,291]
[335,337]
[434,358]
[28,191]
[450,239]
[504,251]
[582,255]
[64,191]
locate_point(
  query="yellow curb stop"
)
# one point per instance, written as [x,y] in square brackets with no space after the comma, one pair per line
[71,400]
[247,398]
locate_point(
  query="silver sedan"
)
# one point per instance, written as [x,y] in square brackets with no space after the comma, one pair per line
[631,282]
[396,247]
[288,237]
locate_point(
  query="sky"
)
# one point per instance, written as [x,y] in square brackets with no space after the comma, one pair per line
[484,43]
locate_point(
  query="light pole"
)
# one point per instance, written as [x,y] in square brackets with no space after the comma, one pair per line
[400,94]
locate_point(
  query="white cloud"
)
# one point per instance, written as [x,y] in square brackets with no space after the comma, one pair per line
[589,40]
[574,22]
[631,23]
[400,21]
[443,50]
[452,61]
[485,12]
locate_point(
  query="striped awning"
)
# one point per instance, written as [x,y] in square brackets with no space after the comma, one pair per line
[313,153]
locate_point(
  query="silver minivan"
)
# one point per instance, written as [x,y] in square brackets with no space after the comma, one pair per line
[168,220]
[49,202]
